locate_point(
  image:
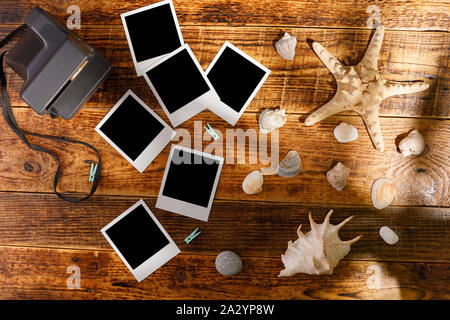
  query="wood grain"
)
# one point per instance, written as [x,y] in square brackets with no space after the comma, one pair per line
[40,235]
[104,276]
[299,86]
[395,14]
[421,180]
[256,229]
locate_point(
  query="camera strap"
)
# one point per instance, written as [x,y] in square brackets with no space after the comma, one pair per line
[11,121]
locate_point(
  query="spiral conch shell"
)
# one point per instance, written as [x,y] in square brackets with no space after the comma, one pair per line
[318,251]
[253,182]
[270,120]
[383,193]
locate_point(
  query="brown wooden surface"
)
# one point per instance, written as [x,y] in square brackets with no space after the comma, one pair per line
[301,85]
[366,164]
[263,229]
[396,14]
[190,276]
[40,236]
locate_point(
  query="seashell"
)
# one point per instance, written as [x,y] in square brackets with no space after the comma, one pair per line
[383,193]
[270,120]
[290,166]
[345,132]
[286,46]
[337,176]
[253,182]
[412,144]
[318,251]
[228,263]
[361,88]
[388,235]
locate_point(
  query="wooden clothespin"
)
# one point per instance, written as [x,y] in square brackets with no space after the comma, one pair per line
[192,236]
[211,131]
[93,170]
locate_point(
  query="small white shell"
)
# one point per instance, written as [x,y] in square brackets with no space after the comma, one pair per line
[412,144]
[290,166]
[383,193]
[388,235]
[270,120]
[337,176]
[345,132]
[286,46]
[253,182]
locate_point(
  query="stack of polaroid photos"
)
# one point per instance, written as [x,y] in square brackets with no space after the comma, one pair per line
[175,76]
[183,89]
[137,236]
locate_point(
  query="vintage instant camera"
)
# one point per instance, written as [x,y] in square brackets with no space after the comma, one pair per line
[60,71]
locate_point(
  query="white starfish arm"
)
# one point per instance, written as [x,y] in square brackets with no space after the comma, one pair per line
[330,108]
[332,64]
[393,88]
[370,116]
[369,64]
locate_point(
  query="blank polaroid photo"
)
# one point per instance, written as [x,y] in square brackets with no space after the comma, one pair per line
[140,240]
[135,131]
[236,78]
[152,32]
[190,182]
[180,85]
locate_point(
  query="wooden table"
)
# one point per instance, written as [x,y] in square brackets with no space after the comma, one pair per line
[41,236]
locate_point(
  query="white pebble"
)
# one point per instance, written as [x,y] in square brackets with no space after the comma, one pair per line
[388,235]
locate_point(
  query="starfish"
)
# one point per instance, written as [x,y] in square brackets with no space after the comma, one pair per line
[360,88]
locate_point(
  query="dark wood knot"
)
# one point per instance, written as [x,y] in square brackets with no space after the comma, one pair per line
[28,166]
[422,271]
[180,274]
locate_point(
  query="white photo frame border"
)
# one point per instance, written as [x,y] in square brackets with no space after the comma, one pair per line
[182,207]
[192,108]
[139,66]
[157,260]
[153,149]
[223,110]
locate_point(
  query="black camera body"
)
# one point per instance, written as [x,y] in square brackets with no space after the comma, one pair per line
[60,71]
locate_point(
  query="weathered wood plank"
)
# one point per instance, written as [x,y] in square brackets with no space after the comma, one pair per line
[240,222]
[36,273]
[396,14]
[421,180]
[257,229]
[299,86]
